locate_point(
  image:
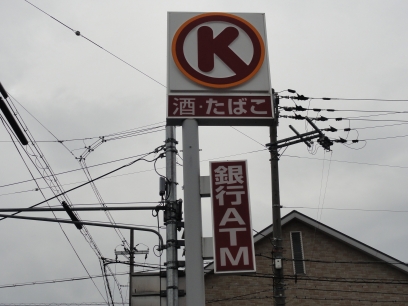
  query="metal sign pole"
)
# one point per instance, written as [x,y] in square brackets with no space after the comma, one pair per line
[171,223]
[195,290]
[132,262]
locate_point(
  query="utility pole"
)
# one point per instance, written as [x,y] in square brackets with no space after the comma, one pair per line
[274,145]
[277,252]
[171,218]
[132,262]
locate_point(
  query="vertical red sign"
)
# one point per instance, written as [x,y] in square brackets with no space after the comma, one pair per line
[232,229]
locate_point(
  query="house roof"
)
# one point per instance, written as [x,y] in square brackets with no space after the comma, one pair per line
[295,215]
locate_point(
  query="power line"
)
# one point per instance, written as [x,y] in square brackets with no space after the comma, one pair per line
[58,187]
[321,203]
[348,162]
[63,231]
[378,126]
[303,98]
[139,130]
[122,203]
[353,280]
[214,158]
[54,281]
[101,201]
[237,297]
[338,261]
[97,178]
[382,138]
[315,109]
[71,279]
[246,296]
[121,159]
[349,299]
[348,291]
[23,191]
[322,118]
[363,99]
[78,169]
[55,186]
[128,134]
[247,136]
[348,209]
[78,33]
[58,304]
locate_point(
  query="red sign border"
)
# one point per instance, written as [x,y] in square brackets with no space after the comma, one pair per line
[177,45]
[250,220]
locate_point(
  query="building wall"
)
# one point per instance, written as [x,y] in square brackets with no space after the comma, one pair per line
[325,282]
[246,290]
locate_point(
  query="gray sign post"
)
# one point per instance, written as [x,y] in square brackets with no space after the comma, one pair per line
[195,291]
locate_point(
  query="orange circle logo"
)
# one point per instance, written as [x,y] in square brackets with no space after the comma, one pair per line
[208,46]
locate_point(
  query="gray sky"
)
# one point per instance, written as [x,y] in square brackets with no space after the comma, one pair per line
[338,49]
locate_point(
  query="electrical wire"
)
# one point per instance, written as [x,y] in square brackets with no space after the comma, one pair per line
[244,153]
[247,136]
[350,300]
[349,209]
[63,231]
[84,231]
[101,201]
[382,262]
[300,108]
[78,169]
[350,291]
[350,144]
[78,33]
[54,281]
[95,179]
[237,297]
[349,162]
[56,304]
[121,203]
[245,296]
[378,126]
[353,280]
[303,98]
[325,188]
[118,223]
[363,99]
[88,237]
[321,118]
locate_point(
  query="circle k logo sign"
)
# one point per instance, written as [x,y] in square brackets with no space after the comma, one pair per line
[218,50]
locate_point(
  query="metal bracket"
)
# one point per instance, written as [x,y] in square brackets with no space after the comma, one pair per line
[163,293]
[171,140]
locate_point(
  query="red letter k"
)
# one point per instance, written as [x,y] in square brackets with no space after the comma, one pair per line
[208,46]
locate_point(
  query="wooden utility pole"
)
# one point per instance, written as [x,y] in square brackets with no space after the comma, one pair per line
[274,145]
[277,252]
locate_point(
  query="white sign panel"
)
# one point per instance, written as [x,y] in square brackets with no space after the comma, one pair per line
[212,51]
[218,70]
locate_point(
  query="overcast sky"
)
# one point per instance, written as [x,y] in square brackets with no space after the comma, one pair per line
[65,87]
